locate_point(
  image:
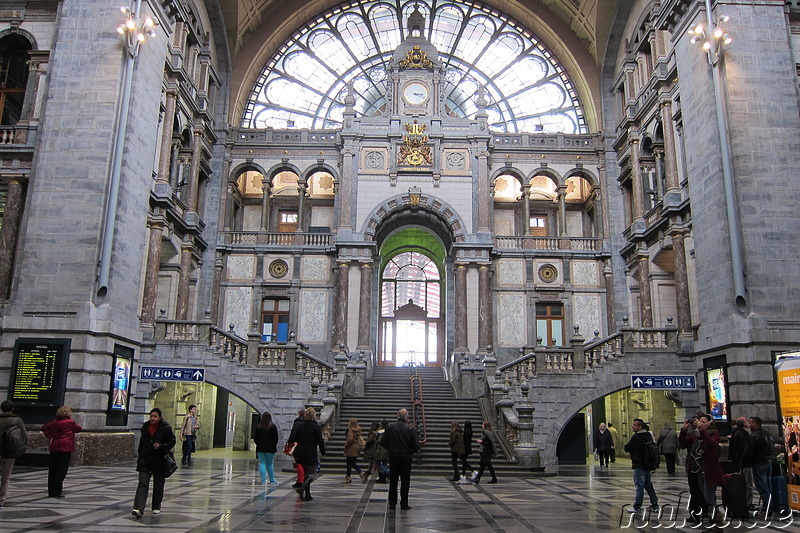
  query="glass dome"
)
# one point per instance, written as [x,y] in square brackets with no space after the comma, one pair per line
[304,84]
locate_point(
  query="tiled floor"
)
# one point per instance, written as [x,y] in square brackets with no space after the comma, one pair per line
[221,493]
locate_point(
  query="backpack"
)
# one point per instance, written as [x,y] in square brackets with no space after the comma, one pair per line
[361,443]
[15,443]
[652,457]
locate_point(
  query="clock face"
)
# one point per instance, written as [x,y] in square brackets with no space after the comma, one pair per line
[548,273]
[415,93]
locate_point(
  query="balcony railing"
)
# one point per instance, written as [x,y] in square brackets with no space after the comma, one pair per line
[318,240]
[527,242]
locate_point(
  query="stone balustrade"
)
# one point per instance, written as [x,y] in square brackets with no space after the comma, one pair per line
[527,242]
[265,238]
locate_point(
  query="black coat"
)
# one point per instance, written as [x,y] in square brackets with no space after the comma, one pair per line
[603,442]
[151,459]
[400,440]
[308,436]
[266,439]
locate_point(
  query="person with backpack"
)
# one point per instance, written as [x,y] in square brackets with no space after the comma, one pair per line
[642,480]
[12,444]
[758,454]
[61,433]
[353,446]
[381,453]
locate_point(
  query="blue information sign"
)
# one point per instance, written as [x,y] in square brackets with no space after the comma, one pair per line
[166,373]
[687,382]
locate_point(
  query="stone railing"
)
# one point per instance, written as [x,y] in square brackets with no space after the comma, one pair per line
[204,333]
[527,242]
[601,350]
[264,238]
[13,135]
[228,344]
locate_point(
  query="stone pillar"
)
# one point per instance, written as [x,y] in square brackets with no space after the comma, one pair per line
[526,209]
[345,188]
[484,200]
[562,209]
[609,286]
[266,187]
[526,452]
[461,309]
[636,180]
[9,233]
[670,157]
[645,298]
[165,155]
[174,177]
[182,305]
[365,308]
[681,285]
[31,88]
[485,318]
[598,211]
[192,184]
[339,332]
[151,271]
[301,205]
[218,267]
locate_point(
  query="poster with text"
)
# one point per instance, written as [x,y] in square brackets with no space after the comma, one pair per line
[787,368]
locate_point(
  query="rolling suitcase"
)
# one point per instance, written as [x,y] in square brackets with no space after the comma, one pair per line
[734,495]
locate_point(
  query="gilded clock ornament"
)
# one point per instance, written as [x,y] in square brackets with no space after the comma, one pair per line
[416,58]
[278,268]
[548,273]
[415,150]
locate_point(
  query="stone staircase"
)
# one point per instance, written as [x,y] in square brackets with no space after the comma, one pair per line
[389,390]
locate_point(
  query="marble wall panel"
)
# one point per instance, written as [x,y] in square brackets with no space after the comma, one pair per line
[586,314]
[313,325]
[237,310]
[511,272]
[241,267]
[511,319]
[584,273]
[315,268]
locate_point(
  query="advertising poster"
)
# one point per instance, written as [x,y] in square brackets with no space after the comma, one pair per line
[717,395]
[119,393]
[788,376]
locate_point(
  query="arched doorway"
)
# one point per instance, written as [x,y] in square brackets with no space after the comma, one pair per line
[411,318]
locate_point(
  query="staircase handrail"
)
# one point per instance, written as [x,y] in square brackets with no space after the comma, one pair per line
[488,413]
[228,343]
[417,405]
[606,349]
[312,366]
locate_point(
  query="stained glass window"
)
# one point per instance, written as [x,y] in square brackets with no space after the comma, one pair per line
[305,83]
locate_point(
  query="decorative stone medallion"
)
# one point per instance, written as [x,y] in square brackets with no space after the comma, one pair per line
[278,268]
[548,273]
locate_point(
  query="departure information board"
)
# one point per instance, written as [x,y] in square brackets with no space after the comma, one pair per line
[39,370]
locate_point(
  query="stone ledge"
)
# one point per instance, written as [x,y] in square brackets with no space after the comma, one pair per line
[91,448]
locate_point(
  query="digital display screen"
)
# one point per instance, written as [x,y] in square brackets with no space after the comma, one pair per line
[39,371]
[120,381]
[717,393]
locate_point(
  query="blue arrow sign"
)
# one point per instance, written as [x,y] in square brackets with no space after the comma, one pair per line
[682,382]
[166,373]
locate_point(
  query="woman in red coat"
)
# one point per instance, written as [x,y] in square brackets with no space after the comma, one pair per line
[61,433]
[702,440]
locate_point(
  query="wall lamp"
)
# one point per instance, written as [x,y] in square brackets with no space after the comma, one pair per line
[715,45]
[135,28]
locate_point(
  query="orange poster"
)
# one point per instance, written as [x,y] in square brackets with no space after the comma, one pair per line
[788,370]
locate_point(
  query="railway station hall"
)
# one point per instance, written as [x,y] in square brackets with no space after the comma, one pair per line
[541,219]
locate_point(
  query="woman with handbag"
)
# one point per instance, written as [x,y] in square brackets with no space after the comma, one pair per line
[353,446]
[308,437]
[155,460]
[61,433]
[266,439]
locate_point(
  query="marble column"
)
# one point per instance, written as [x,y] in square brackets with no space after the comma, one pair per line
[166,153]
[461,309]
[485,318]
[266,187]
[339,333]
[562,210]
[608,278]
[182,303]
[193,179]
[31,88]
[645,297]
[345,188]
[598,211]
[365,307]
[301,205]
[636,181]
[681,284]
[151,271]
[9,233]
[526,209]
[484,200]
[670,156]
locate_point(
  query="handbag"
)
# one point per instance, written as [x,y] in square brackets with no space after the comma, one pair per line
[170,466]
[288,449]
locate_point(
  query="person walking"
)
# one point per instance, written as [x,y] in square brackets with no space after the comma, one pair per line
[382,454]
[400,440]
[308,436]
[603,444]
[8,419]
[352,449]
[301,416]
[758,455]
[371,446]
[266,438]
[156,442]
[668,445]
[641,475]
[487,451]
[61,433]
[614,440]
[188,435]
[456,444]
[466,468]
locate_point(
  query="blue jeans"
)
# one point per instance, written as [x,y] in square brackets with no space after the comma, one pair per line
[187,446]
[266,466]
[762,475]
[643,482]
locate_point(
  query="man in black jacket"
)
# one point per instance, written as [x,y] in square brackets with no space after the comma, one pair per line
[641,476]
[400,440]
[759,454]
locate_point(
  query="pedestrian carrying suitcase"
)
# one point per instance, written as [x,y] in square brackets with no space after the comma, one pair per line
[734,495]
[780,495]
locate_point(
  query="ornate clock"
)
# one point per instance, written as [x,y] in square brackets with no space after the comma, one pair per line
[548,273]
[415,93]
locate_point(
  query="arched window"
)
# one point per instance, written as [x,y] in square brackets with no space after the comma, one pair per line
[304,84]
[13,77]
[507,188]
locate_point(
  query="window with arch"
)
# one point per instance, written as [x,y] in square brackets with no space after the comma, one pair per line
[507,188]
[543,188]
[250,183]
[579,189]
[13,77]
[410,276]
[320,185]
[305,83]
[285,184]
